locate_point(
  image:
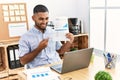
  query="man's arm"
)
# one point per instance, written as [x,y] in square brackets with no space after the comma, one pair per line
[30,56]
[67,45]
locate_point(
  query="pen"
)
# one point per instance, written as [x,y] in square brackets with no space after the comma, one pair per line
[109,57]
[106,60]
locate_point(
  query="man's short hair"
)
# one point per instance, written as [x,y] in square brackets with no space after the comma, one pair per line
[40,8]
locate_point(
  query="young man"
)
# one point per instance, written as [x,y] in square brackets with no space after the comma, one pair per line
[35,47]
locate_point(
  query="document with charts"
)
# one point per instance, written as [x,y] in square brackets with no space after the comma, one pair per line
[42,73]
[61,29]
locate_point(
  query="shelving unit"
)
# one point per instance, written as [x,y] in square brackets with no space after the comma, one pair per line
[5,72]
[12,14]
[80,42]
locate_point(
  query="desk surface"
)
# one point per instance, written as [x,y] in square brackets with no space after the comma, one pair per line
[86,73]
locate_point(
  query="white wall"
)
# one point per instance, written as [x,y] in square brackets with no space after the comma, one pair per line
[68,8]
[83,12]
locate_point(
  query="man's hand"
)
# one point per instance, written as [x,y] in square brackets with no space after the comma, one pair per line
[65,47]
[43,43]
[70,36]
[31,55]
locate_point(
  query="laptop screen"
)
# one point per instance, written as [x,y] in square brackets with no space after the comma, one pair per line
[78,59]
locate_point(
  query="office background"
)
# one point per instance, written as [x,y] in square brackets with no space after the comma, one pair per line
[100,18]
[57,8]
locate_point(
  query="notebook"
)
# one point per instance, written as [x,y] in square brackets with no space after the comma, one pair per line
[74,60]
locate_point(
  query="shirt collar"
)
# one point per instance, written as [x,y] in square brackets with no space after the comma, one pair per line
[36,30]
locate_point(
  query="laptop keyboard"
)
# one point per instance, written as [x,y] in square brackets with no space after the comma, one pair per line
[58,67]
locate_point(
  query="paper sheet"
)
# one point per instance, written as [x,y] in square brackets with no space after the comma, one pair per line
[12,19]
[5,7]
[21,6]
[12,13]
[42,73]
[6,19]
[61,29]
[17,29]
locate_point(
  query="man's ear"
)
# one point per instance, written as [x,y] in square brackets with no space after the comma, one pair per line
[33,18]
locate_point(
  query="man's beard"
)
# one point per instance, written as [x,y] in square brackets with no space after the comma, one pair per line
[40,28]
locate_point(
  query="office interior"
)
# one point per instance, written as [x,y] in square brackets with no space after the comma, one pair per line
[100,19]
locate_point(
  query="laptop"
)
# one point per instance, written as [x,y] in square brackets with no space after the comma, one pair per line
[74,60]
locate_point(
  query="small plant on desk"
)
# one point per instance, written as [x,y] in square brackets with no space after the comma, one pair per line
[73,49]
[102,75]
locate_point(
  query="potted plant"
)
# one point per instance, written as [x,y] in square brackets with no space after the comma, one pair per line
[102,75]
